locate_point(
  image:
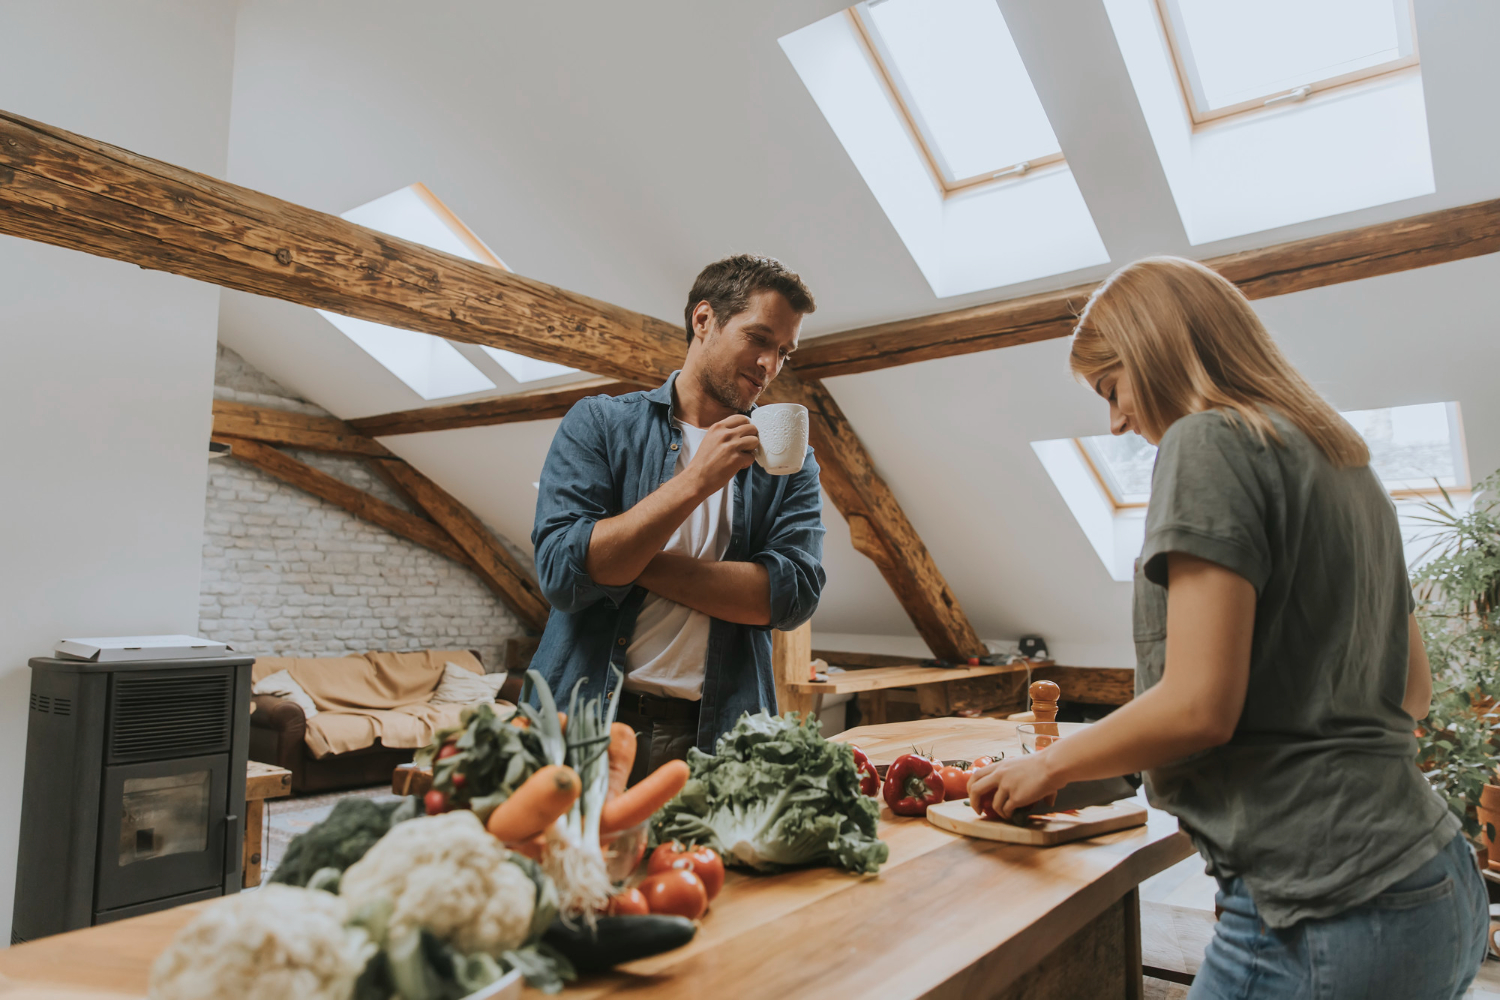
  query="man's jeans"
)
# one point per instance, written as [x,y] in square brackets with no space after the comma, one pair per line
[1421,939]
[664,731]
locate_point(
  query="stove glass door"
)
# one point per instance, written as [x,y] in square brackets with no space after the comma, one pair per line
[164,829]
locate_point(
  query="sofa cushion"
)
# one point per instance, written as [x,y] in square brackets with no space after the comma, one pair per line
[460,686]
[281,685]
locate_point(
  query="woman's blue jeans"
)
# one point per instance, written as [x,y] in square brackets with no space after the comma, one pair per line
[1421,939]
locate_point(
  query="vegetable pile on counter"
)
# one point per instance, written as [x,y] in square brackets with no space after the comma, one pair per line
[774,795]
[506,871]
[434,910]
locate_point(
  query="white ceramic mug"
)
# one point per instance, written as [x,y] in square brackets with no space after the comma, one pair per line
[783,437]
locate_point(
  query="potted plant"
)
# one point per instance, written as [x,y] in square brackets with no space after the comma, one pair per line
[1458,593]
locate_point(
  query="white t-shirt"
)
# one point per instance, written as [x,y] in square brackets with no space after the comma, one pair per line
[667,652]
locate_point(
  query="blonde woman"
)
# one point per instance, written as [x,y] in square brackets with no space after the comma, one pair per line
[1279,669]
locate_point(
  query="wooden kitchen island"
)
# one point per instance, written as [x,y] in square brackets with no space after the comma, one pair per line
[946,917]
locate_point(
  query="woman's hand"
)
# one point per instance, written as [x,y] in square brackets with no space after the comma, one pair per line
[1012,783]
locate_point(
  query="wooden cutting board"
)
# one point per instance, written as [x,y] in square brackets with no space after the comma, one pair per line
[958,816]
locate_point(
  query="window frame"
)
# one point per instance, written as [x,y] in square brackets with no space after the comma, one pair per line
[1102,481]
[456,225]
[1463,477]
[1200,119]
[868,35]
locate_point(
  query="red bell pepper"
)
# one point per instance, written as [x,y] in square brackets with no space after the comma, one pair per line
[912,784]
[869,778]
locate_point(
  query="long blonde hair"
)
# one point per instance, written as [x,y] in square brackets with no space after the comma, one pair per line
[1189,341]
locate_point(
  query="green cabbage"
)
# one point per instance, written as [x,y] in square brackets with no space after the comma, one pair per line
[774,795]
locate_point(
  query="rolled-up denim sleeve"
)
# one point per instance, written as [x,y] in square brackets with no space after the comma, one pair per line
[575,491]
[793,554]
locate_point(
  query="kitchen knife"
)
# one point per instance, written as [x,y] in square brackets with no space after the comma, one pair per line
[1080,795]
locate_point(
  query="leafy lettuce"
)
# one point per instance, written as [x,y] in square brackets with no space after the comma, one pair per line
[774,795]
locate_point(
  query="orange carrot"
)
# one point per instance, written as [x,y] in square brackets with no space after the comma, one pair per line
[521,722]
[621,757]
[533,807]
[533,848]
[636,805]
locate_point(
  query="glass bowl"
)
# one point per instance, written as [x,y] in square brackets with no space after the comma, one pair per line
[623,850]
[1036,736]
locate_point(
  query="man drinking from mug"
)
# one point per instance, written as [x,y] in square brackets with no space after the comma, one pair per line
[666,551]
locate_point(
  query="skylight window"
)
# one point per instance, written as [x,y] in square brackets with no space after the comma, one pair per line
[430,366]
[1277,112]
[1106,479]
[1235,57]
[933,105]
[954,71]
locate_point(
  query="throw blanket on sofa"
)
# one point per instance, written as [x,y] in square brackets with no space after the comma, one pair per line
[376,696]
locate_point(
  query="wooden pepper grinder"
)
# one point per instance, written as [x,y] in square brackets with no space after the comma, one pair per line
[1044,695]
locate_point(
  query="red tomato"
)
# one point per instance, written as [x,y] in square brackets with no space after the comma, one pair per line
[701,861]
[435,801]
[955,783]
[628,903]
[458,779]
[676,892]
[446,750]
[978,762]
[986,807]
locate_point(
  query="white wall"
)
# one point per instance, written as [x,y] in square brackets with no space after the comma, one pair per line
[106,371]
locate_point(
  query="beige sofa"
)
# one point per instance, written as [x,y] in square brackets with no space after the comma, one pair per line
[373,713]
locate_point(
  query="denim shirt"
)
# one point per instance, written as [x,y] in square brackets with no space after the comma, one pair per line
[608,455]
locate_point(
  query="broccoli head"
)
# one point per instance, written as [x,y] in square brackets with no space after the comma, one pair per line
[341,839]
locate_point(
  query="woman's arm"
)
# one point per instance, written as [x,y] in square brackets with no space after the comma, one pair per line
[1418,697]
[1197,704]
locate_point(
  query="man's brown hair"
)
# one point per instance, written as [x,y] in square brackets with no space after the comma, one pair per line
[726,285]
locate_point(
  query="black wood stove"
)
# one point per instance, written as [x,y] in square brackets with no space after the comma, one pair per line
[134,790]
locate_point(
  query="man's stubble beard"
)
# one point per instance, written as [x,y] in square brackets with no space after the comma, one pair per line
[720,385]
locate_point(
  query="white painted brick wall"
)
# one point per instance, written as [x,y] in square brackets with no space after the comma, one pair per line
[287,574]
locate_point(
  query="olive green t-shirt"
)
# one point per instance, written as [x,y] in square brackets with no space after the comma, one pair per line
[1316,801]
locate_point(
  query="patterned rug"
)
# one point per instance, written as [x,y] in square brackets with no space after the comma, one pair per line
[285,818]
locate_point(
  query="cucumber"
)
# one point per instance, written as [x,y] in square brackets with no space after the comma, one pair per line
[616,940]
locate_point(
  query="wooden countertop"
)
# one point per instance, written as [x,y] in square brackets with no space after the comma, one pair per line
[943,909]
[882,678]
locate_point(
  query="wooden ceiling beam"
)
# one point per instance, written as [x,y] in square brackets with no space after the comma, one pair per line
[64,189]
[67,190]
[1385,248]
[878,527]
[294,430]
[497,567]
[537,404]
[339,493]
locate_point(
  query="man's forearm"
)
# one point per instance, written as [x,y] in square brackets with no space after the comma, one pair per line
[738,592]
[621,546]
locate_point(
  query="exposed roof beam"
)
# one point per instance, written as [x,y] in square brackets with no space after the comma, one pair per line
[250,432]
[64,189]
[495,566]
[1385,248]
[877,525]
[295,430]
[339,493]
[60,188]
[537,404]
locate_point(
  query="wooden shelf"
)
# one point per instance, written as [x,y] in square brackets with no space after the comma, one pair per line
[884,678]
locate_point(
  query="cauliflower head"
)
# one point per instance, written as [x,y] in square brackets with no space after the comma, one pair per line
[270,944]
[446,874]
